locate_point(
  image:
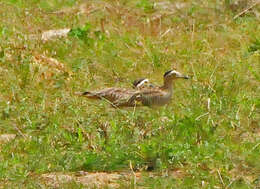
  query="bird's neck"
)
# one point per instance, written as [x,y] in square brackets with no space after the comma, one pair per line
[168,84]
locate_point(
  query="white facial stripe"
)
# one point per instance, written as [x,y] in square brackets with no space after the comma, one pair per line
[178,74]
[142,82]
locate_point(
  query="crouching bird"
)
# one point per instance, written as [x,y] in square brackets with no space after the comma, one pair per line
[117,97]
[142,83]
[141,95]
[158,96]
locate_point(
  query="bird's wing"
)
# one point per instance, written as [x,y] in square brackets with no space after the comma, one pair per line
[139,96]
[152,92]
[117,94]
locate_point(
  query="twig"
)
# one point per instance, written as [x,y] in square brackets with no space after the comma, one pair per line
[20,132]
[255,147]
[213,72]
[208,104]
[231,183]
[245,10]
[221,178]
[201,116]
[131,167]
[192,40]
[166,32]
[134,110]
[252,110]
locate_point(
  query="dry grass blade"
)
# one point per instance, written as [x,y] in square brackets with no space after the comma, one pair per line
[50,66]
[50,62]
[6,138]
[247,9]
[220,177]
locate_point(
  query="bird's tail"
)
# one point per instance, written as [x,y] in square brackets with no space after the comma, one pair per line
[88,94]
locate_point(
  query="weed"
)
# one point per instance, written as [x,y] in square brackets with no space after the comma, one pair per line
[255,46]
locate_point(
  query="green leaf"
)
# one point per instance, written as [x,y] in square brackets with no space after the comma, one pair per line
[2,54]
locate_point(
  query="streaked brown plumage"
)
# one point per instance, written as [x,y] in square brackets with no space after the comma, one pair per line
[159,96]
[142,95]
[118,97]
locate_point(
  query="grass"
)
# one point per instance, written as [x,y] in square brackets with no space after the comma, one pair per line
[210,131]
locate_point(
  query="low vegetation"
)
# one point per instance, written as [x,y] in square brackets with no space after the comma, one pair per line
[207,137]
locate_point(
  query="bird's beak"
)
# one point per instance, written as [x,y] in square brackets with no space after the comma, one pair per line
[182,76]
[186,77]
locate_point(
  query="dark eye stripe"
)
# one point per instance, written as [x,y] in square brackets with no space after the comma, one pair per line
[166,73]
[136,82]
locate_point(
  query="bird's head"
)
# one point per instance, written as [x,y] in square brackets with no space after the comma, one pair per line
[173,74]
[139,83]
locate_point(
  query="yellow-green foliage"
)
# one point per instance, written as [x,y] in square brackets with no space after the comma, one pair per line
[210,130]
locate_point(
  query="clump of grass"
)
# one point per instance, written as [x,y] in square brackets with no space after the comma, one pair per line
[255,46]
[82,34]
[146,5]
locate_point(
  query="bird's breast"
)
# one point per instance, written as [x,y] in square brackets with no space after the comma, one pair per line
[157,100]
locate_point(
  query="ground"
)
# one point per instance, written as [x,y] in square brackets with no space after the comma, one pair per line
[207,137]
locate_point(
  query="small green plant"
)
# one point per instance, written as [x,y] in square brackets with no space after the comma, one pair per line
[146,5]
[255,46]
[2,54]
[82,34]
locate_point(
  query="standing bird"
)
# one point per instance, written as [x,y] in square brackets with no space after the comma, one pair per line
[158,96]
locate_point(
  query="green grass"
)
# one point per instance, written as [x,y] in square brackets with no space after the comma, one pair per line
[111,44]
